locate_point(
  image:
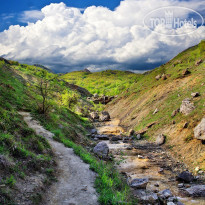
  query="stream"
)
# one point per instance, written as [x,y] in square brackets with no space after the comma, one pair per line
[142,159]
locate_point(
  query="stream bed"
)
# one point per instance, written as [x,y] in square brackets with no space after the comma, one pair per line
[142,159]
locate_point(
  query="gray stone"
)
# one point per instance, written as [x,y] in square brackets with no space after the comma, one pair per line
[101,149]
[160,139]
[199,130]
[139,137]
[146,197]
[185,176]
[139,183]
[104,116]
[171,203]
[102,137]
[94,115]
[115,138]
[187,106]
[93,131]
[196,191]
[165,194]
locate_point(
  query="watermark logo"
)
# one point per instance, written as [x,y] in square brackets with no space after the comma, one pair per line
[173,21]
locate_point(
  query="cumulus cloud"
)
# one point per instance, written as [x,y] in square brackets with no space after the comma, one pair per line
[66,39]
[31,16]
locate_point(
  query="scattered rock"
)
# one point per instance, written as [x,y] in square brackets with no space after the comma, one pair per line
[185,176]
[156,111]
[104,116]
[175,112]
[198,62]
[139,183]
[158,77]
[131,132]
[5,163]
[196,191]
[164,76]
[115,138]
[161,170]
[138,136]
[95,95]
[194,95]
[180,185]
[146,197]
[165,194]
[171,203]
[94,115]
[186,124]
[102,137]
[160,139]
[199,130]
[101,149]
[187,106]
[157,185]
[93,131]
[185,72]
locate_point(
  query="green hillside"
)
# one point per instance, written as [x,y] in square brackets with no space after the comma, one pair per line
[109,82]
[25,156]
[181,76]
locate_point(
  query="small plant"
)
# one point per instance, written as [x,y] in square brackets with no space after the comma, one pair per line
[10,181]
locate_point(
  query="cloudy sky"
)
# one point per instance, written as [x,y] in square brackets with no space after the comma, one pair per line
[99,34]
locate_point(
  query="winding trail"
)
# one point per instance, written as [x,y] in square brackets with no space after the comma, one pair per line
[75,185]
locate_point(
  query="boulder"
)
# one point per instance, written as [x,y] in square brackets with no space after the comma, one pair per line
[194,95]
[104,116]
[101,150]
[195,191]
[187,106]
[199,130]
[160,139]
[139,183]
[94,115]
[185,176]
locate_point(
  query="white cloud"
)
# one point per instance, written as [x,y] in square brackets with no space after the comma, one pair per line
[31,16]
[67,38]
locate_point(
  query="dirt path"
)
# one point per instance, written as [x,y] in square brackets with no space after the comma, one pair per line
[142,159]
[75,184]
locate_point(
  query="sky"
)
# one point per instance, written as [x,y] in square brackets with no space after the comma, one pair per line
[99,34]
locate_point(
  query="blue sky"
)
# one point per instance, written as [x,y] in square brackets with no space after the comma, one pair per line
[98,35]
[11,10]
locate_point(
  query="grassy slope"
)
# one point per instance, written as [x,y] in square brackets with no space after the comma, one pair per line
[18,92]
[138,103]
[22,152]
[107,82]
